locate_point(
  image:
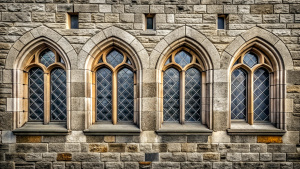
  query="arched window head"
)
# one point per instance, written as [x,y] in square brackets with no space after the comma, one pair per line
[114,87]
[182,87]
[47,100]
[250,87]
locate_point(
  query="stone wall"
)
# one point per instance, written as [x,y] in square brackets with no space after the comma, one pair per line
[277,22]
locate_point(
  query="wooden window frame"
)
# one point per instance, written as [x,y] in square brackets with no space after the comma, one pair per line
[199,66]
[154,21]
[263,62]
[34,62]
[96,66]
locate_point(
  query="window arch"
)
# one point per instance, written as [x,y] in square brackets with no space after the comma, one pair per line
[114,87]
[251,77]
[45,81]
[183,79]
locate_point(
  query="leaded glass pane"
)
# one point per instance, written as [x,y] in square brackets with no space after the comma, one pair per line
[183,58]
[250,60]
[261,95]
[47,57]
[238,94]
[125,95]
[192,95]
[168,61]
[36,94]
[58,107]
[128,61]
[104,94]
[171,95]
[114,58]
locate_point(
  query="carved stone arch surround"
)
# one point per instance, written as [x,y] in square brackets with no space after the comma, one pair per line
[205,50]
[281,60]
[107,38]
[20,52]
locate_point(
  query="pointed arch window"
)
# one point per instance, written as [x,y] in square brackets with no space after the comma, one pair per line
[182,88]
[251,88]
[47,96]
[114,86]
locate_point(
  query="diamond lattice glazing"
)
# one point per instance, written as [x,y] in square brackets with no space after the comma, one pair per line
[125,95]
[36,94]
[183,58]
[114,58]
[104,94]
[58,95]
[250,60]
[47,57]
[261,95]
[192,95]
[238,94]
[171,89]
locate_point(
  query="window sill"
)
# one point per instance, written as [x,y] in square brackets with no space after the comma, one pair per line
[148,32]
[185,129]
[38,128]
[243,128]
[110,129]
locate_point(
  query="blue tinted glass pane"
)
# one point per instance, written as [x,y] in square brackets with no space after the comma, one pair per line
[250,60]
[47,57]
[238,94]
[171,95]
[183,58]
[58,106]
[114,58]
[104,94]
[125,95]
[149,23]
[74,21]
[261,95]
[36,94]
[192,95]
[221,23]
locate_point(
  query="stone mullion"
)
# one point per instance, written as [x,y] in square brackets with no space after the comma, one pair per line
[46,98]
[182,97]
[114,98]
[250,101]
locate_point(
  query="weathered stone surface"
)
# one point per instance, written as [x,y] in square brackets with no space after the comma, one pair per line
[16,16]
[98,148]
[29,139]
[32,148]
[64,157]
[269,139]
[116,147]
[89,157]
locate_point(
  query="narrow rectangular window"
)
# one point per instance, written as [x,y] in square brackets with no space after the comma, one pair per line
[150,21]
[221,22]
[72,21]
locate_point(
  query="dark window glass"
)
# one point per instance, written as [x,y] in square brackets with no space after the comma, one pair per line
[192,95]
[149,22]
[47,57]
[171,100]
[221,23]
[114,58]
[250,60]
[183,58]
[58,95]
[238,94]
[36,94]
[74,21]
[261,95]
[125,95]
[104,94]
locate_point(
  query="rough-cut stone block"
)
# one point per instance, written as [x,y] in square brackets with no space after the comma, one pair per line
[133,157]
[29,139]
[174,139]
[88,165]
[211,157]
[282,148]
[16,16]
[172,157]
[269,139]
[261,9]
[64,157]
[32,147]
[98,148]
[116,147]
[110,157]
[279,157]
[151,156]
[86,8]
[89,157]
[251,157]
[194,157]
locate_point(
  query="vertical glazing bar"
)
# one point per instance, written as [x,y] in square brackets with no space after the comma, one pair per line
[114,98]
[182,97]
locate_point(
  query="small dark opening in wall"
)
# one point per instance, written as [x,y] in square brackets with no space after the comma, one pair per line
[73,21]
[150,21]
[222,21]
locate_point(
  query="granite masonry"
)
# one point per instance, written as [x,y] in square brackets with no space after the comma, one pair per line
[272,26]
